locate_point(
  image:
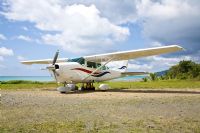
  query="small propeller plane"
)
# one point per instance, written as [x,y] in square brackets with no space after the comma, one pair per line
[90,69]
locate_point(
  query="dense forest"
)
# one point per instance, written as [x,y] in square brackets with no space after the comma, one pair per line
[183,70]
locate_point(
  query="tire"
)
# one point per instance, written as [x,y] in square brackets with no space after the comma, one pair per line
[76,88]
[93,88]
[82,89]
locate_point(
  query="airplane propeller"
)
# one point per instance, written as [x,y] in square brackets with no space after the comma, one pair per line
[53,66]
[55,57]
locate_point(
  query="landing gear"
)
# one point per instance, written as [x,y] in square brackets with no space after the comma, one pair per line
[88,87]
[67,88]
[103,87]
[62,89]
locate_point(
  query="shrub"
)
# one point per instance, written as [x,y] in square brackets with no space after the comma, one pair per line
[145,79]
[153,76]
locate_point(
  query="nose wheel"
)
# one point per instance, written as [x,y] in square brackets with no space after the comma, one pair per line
[87,87]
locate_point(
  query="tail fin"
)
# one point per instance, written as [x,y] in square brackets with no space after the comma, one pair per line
[124,66]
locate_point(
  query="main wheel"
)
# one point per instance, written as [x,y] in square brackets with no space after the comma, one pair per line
[82,88]
[76,88]
[62,89]
[93,88]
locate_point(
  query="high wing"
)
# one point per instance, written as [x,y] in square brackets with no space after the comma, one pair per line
[115,56]
[132,54]
[43,61]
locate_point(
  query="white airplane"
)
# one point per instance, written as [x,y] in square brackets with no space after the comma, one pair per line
[90,69]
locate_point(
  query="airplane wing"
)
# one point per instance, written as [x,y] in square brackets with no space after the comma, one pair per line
[43,61]
[132,54]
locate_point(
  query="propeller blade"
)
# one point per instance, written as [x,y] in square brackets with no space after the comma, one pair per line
[54,74]
[43,69]
[52,67]
[55,57]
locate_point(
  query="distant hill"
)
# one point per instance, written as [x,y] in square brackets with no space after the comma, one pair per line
[161,73]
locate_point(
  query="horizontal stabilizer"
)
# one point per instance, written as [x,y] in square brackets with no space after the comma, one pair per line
[133,73]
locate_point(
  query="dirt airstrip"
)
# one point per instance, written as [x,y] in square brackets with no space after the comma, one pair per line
[110,111]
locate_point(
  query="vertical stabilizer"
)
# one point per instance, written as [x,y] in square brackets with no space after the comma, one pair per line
[124,66]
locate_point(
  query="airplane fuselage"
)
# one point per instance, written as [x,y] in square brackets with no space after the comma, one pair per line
[73,72]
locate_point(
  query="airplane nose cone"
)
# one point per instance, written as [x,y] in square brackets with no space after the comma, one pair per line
[56,66]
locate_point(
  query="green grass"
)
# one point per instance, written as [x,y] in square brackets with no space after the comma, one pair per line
[132,126]
[161,84]
[80,126]
[30,85]
[52,127]
[24,82]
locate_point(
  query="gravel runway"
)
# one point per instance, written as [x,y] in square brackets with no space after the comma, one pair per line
[111,111]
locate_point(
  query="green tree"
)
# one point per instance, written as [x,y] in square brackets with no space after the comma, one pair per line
[184,70]
[153,76]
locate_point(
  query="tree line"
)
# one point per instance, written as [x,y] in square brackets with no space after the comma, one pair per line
[183,70]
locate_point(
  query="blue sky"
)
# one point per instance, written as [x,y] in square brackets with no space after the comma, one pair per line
[32,29]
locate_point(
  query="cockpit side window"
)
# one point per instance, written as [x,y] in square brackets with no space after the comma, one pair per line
[96,65]
[91,64]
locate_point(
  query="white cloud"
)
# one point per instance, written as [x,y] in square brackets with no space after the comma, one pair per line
[171,21]
[117,11]
[163,9]
[24,38]
[84,26]
[2,37]
[150,64]
[140,67]
[78,28]
[155,63]
[25,28]
[20,58]
[156,44]
[94,25]
[1,58]
[6,52]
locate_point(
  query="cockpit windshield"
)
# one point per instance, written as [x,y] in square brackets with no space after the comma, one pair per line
[80,60]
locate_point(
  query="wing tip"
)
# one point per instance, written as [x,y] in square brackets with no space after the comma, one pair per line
[25,62]
[179,47]
[176,46]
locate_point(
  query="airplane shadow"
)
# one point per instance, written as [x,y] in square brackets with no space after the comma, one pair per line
[138,91]
[72,92]
[79,92]
[153,91]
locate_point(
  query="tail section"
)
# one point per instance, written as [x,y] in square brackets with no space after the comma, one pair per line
[124,66]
